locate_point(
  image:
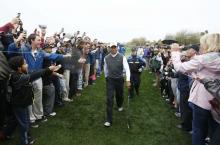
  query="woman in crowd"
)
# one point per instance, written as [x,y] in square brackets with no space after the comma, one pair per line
[206,65]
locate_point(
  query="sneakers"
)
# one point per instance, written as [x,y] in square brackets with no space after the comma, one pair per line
[34,125]
[59,104]
[190,132]
[78,94]
[67,100]
[31,141]
[107,124]
[177,114]
[43,119]
[155,84]
[168,100]
[207,140]
[120,109]
[179,126]
[52,114]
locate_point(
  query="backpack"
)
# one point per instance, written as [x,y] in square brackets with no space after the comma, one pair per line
[156,64]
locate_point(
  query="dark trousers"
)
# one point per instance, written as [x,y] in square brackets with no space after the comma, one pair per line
[185,110]
[23,120]
[201,120]
[3,93]
[19,117]
[164,90]
[48,98]
[91,73]
[215,138]
[115,87]
[73,84]
[56,83]
[170,91]
[135,84]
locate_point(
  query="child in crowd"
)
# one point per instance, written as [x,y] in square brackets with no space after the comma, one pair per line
[22,95]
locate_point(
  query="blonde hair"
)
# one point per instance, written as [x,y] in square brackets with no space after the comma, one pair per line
[15,21]
[210,42]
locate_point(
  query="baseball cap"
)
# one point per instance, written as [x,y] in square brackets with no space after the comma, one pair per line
[193,46]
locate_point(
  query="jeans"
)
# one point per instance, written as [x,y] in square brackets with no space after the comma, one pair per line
[73,84]
[201,120]
[23,120]
[48,99]
[56,83]
[185,110]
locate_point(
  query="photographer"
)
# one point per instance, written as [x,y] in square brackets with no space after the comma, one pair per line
[18,43]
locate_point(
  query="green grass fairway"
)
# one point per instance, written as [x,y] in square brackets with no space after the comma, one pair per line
[81,122]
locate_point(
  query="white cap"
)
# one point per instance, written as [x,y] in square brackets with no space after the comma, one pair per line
[113,44]
[66,39]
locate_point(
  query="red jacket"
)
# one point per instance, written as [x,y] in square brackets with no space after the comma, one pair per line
[6,28]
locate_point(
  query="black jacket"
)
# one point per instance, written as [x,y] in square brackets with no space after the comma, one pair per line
[4,67]
[22,89]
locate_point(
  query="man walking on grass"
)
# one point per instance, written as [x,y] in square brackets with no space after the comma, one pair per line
[114,64]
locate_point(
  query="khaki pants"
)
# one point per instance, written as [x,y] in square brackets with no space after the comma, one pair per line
[86,73]
[36,110]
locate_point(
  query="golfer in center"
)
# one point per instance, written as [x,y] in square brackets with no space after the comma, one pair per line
[114,66]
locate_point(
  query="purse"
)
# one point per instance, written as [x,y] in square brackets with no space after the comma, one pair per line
[213,87]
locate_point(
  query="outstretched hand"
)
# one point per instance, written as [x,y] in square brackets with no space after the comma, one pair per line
[54,67]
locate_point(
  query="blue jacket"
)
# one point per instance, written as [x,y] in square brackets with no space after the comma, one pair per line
[122,49]
[97,54]
[92,58]
[135,63]
[33,63]
[183,84]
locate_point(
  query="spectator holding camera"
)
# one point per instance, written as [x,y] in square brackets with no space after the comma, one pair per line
[206,65]
[10,25]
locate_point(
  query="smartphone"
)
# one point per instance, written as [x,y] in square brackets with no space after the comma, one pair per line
[18,15]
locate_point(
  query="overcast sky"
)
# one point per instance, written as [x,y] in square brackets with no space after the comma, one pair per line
[116,20]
